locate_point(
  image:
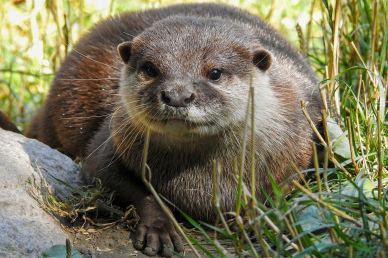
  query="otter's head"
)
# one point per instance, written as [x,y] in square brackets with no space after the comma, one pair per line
[189,76]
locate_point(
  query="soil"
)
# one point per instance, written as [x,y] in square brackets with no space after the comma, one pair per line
[114,242]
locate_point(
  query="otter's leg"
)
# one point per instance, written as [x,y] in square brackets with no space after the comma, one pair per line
[155,232]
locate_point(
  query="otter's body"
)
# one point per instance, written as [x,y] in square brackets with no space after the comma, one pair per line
[6,124]
[184,73]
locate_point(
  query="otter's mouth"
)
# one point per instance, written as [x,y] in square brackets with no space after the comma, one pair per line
[180,126]
[174,121]
[177,124]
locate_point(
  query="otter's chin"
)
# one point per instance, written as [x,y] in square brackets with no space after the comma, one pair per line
[182,129]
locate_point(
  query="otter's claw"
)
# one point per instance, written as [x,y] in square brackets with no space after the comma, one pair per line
[155,236]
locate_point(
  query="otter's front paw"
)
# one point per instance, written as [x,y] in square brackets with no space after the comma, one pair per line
[156,234]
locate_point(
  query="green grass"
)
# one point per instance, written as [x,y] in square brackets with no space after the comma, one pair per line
[340,207]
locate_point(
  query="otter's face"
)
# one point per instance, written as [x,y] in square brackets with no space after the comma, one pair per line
[190,76]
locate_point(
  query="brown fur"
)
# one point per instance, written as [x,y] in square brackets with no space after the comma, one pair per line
[6,124]
[99,108]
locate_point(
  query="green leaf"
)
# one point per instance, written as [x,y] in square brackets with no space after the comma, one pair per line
[339,139]
[364,184]
[59,251]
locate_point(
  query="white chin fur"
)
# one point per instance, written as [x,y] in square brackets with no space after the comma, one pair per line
[181,129]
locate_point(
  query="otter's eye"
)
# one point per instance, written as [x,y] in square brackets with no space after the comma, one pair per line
[150,70]
[214,74]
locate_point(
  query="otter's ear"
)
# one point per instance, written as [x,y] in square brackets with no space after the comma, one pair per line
[124,50]
[262,59]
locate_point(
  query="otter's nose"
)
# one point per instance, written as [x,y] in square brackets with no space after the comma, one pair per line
[174,98]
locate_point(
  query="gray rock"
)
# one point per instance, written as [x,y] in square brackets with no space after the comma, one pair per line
[29,170]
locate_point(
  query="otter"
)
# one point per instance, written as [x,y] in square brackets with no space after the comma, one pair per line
[183,72]
[6,123]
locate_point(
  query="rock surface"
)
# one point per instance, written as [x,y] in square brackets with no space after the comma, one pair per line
[28,166]
[29,170]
